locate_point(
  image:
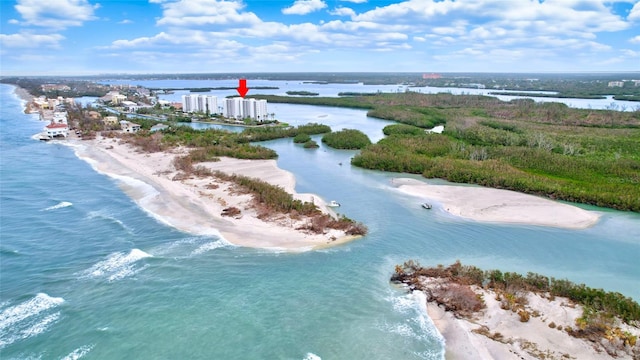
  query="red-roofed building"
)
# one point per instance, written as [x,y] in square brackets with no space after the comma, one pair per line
[431,76]
[56,130]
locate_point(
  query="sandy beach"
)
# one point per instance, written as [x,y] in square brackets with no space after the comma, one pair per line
[195,205]
[495,333]
[23,94]
[500,206]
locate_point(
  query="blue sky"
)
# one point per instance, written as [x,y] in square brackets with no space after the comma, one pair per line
[77,37]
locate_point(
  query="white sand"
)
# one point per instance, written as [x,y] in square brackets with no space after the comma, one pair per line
[191,206]
[501,206]
[520,340]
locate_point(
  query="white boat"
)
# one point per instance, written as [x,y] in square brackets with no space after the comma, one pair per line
[426,206]
[333,203]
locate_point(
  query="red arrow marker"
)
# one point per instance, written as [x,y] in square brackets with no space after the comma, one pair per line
[242,87]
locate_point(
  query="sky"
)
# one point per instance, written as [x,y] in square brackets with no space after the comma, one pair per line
[85,37]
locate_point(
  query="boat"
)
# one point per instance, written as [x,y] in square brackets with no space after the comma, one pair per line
[333,203]
[426,206]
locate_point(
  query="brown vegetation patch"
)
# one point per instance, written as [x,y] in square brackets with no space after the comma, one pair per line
[231,211]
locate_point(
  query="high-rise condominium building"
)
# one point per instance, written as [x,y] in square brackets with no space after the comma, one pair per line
[240,108]
[207,104]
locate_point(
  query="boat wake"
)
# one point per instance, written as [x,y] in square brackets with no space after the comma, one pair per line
[27,319]
[60,205]
[117,266]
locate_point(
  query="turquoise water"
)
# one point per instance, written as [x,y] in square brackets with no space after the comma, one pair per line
[85,273]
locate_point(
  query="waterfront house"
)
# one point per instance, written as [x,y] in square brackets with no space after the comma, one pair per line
[129,127]
[54,130]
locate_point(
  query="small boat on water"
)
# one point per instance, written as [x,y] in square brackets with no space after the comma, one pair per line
[333,203]
[426,206]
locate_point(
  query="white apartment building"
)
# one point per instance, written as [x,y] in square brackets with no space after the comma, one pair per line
[200,103]
[240,108]
[235,108]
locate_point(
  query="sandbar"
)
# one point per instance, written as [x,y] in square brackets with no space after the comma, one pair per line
[195,205]
[499,206]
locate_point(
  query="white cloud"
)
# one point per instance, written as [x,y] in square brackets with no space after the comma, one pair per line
[355,1]
[634,14]
[125,21]
[303,7]
[492,31]
[205,12]
[343,11]
[56,13]
[13,22]
[635,39]
[28,40]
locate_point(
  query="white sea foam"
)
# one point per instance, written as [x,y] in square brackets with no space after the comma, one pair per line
[419,326]
[312,356]
[28,319]
[60,205]
[209,246]
[101,214]
[78,353]
[117,266]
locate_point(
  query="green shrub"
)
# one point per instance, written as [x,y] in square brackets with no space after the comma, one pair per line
[347,139]
[301,138]
[311,145]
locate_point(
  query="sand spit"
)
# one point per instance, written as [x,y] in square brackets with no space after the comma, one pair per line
[195,205]
[500,206]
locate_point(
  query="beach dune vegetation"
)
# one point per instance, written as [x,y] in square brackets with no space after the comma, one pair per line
[453,288]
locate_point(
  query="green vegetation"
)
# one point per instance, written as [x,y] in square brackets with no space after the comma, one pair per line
[401,129]
[310,145]
[581,155]
[54,87]
[540,95]
[600,308]
[352,93]
[270,200]
[347,139]
[301,138]
[588,156]
[627,97]
[303,93]
[215,142]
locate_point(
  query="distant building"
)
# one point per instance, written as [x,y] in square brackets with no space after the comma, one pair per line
[239,108]
[615,84]
[207,104]
[233,108]
[431,76]
[129,127]
[110,120]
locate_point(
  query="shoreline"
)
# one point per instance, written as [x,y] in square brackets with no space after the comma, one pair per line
[22,94]
[498,205]
[496,333]
[195,205]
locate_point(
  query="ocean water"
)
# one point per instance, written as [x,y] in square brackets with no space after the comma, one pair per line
[86,273]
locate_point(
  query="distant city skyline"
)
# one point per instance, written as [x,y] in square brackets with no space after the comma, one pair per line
[89,37]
